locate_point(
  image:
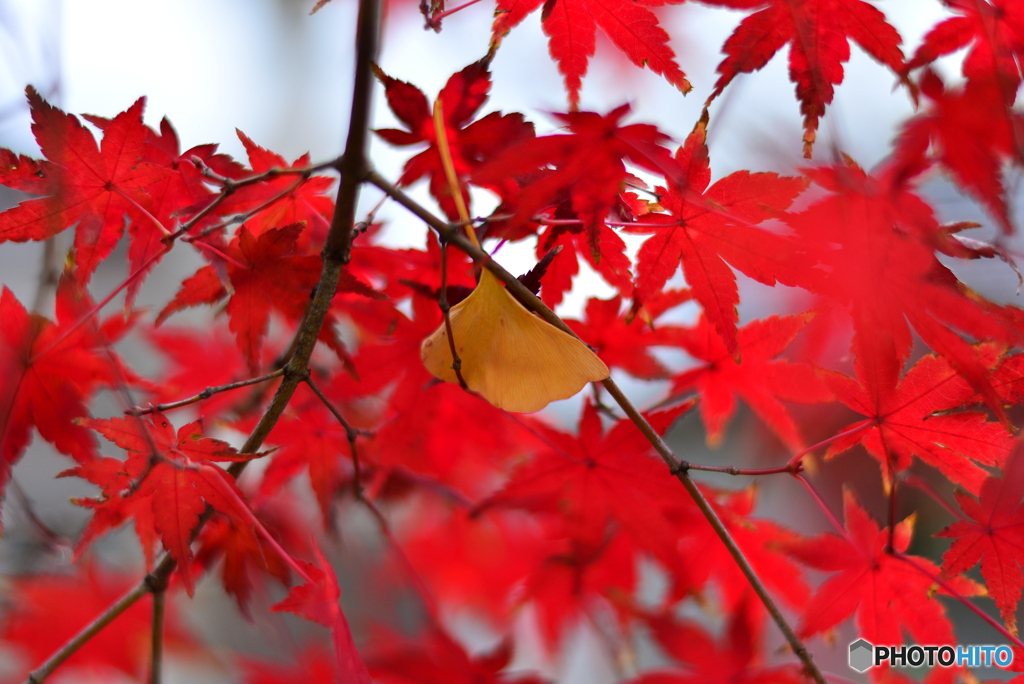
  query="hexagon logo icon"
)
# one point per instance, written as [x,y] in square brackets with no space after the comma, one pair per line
[861,652]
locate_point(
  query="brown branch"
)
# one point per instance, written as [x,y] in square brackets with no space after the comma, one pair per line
[205,394]
[157,637]
[676,466]
[350,434]
[238,219]
[335,255]
[39,675]
[442,303]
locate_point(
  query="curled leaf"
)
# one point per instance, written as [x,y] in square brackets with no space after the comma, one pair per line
[515,360]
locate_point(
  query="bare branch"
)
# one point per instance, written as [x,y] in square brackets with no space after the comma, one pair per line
[205,394]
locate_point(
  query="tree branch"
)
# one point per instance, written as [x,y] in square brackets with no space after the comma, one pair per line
[205,394]
[678,467]
[157,637]
[335,255]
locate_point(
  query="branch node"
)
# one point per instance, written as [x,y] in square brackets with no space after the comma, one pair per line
[680,468]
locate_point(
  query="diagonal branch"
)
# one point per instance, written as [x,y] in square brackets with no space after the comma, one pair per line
[676,466]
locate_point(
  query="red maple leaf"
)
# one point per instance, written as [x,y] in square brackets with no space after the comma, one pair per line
[708,561]
[993,533]
[50,371]
[818,33]
[597,478]
[470,144]
[709,226]
[317,600]
[874,240]
[43,613]
[244,550]
[761,380]
[994,30]
[304,200]
[888,594]
[571,26]
[312,440]
[437,658]
[265,272]
[588,165]
[735,657]
[971,133]
[619,343]
[901,421]
[166,479]
[601,247]
[94,187]
[180,192]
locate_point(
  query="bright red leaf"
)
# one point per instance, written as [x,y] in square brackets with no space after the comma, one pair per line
[994,32]
[50,371]
[317,600]
[94,187]
[705,227]
[971,133]
[818,34]
[265,272]
[571,26]
[470,144]
[166,479]
[761,380]
[908,417]
[993,533]
[889,595]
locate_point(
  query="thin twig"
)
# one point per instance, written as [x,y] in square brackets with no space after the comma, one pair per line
[205,394]
[823,506]
[246,216]
[350,434]
[677,467]
[157,637]
[39,675]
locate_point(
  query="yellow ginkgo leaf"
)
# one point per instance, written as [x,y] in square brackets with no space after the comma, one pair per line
[514,359]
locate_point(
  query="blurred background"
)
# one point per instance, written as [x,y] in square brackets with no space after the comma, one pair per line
[268,68]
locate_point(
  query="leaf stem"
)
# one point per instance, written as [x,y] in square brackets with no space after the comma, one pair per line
[823,506]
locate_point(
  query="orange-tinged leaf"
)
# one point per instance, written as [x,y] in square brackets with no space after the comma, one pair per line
[517,361]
